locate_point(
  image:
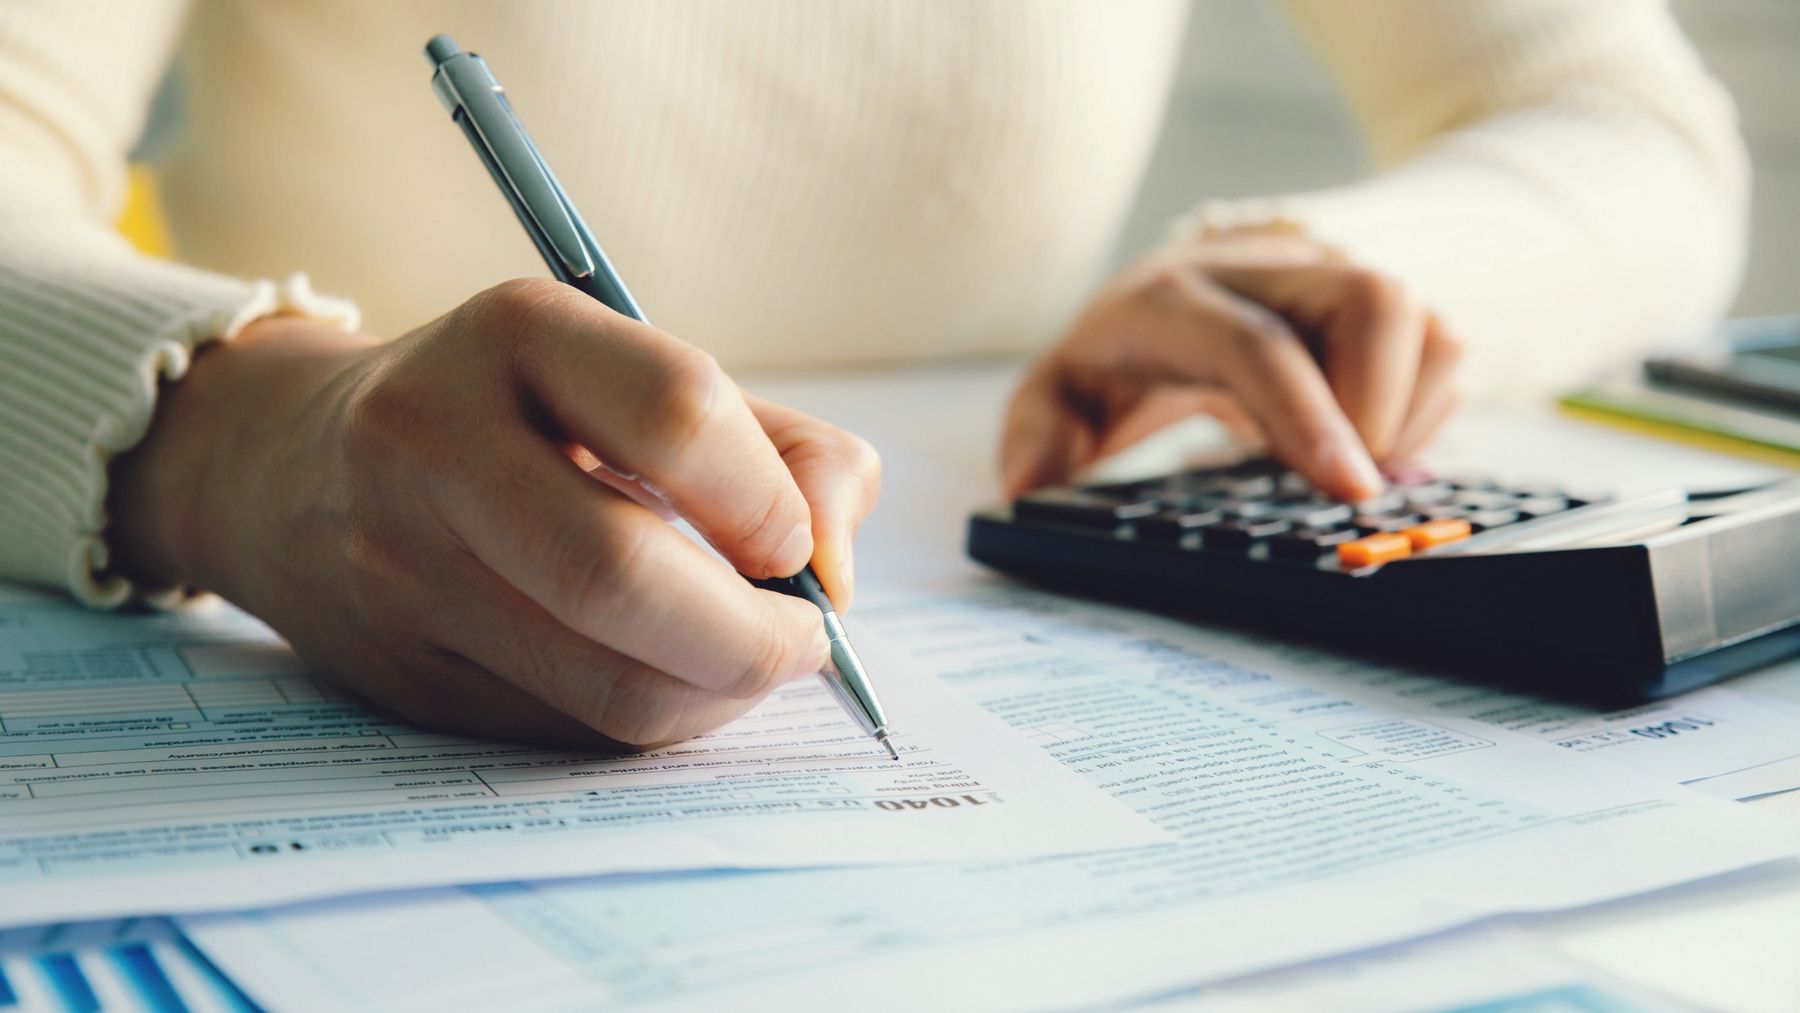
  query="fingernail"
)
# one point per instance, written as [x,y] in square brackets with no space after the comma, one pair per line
[794,553]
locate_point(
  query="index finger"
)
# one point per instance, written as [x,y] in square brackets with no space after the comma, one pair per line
[616,574]
[1371,328]
[661,411]
[1200,334]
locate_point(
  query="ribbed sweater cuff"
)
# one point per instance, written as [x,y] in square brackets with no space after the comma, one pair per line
[88,330]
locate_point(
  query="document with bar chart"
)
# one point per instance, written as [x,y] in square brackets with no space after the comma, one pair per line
[168,762]
[1309,823]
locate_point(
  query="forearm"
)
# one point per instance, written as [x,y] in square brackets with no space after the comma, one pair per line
[1563,181]
[1557,245]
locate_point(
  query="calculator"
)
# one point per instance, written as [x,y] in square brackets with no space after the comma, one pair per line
[1586,596]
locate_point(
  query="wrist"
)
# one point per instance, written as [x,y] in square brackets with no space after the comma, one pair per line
[179,500]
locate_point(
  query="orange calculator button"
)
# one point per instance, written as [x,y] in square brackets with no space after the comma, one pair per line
[1376,548]
[1438,532]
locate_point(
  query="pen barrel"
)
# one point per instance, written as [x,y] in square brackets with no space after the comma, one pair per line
[867,706]
[603,285]
[851,683]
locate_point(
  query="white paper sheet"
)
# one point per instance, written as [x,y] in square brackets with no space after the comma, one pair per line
[1720,740]
[1494,969]
[179,763]
[1310,823]
[1728,948]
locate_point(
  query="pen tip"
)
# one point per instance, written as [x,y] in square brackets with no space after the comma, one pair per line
[888,744]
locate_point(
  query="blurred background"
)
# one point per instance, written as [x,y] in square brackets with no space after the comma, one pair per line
[1252,114]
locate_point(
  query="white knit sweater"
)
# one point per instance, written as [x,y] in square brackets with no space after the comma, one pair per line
[798,180]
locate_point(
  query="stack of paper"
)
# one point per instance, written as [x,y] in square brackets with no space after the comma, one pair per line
[180,763]
[1092,806]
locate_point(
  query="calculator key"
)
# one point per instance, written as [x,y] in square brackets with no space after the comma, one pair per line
[1428,494]
[1531,490]
[1377,548]
[1483,520]
[1310,543]
[1246,486]
[1238,536]
[1082,508]
[1443,510]
[1249,509]
[1174,525]
[1439,532]
[1539,506]
[1137,490]
[1387,502]
[1256,466]
[1475,483]
[1293,484]
[1196,484]
[1314,513]
[1485,499]
[1372,523]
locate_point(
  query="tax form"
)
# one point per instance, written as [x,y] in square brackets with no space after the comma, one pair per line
[163,763]
[1309,823]
[1719,740]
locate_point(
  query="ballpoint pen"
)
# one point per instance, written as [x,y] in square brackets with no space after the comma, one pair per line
[478,105]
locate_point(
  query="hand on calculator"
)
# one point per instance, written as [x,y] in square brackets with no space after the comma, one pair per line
[1337,368]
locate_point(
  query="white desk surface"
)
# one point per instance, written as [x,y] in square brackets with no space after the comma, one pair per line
[1723,945]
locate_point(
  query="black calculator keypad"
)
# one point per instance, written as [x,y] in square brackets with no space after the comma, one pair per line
[1260,509]
[1084,508]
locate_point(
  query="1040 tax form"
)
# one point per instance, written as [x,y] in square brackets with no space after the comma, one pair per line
[163,763]
[1309,823]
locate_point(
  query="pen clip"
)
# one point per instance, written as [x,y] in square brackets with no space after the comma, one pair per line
[469,91]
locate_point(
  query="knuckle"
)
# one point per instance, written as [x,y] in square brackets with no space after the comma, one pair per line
[601,567]
[756,530]
[769,663]
[757,677]
[384,415]
[865,466]
[1169,285]
[861,458]
[376,571]
[1370,296]
[1447,346]
[518,300]
[643,714]
[1255,333]
[1370,288]
[510,315]
[685,385]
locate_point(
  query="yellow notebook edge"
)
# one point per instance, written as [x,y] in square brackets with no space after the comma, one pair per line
[1574,407]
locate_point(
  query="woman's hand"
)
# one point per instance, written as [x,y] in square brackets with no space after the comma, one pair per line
[1338,368]
[468,525]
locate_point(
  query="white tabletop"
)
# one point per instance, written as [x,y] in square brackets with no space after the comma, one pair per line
[1724,945]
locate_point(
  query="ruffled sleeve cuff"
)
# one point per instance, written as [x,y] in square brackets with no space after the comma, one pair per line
[90,331]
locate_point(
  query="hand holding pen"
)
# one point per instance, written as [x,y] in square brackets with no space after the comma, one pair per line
[414,517]
[476,102]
